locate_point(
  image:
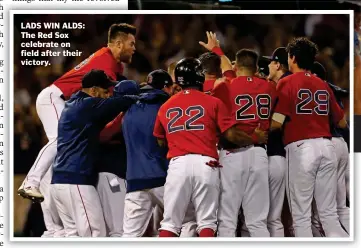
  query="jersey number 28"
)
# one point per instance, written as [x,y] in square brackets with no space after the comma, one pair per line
[194,113]
[321,98]
[263,105]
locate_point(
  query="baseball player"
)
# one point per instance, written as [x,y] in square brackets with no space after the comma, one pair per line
[341,152]
[50,104]
[245,168]
[111,184]
[303,111]
[188,123]
[74,174]
[211,65]
[278,69]
[146,161]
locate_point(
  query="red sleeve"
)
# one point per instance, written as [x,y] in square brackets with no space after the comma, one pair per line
[230,74]
[221,92]
[111,128]
[284,103]
[336,111]
[223,117]
[159,131]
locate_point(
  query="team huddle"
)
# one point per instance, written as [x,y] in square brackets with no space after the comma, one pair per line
[209,148]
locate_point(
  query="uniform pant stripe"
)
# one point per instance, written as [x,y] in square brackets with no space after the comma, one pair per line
[86,214]
[288,175]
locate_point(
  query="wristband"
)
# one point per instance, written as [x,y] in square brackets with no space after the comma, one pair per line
[217,50]
[254,138]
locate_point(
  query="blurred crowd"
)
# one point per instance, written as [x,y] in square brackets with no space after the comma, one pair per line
[161,40]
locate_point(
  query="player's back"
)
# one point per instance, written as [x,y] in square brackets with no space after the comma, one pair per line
[307,105]
[102,59]
[190,122]
[251,100]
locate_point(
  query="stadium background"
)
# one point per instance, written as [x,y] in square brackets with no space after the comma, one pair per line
[161,39]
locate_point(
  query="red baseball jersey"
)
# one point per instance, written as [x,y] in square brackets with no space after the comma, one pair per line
[307,102]
[250,99]
[210,84]
[190,121]
[102,59]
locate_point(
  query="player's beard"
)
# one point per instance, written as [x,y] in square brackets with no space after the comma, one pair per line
[126,58]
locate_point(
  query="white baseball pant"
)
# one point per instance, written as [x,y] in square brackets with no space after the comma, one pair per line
[189,229]
[342,157]
[112,190]
[79,209]
[191,182]
[312,173]
[316,226]
[139,207]
[347,179]
[53,224]
[244,182]
[49,106]
[156,218]
[277,189]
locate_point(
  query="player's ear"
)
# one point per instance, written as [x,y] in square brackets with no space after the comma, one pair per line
[120,44]
[92,91]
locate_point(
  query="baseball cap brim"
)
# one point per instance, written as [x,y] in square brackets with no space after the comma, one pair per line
[267,57]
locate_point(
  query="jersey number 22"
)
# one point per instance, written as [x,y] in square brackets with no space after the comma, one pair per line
[194,113]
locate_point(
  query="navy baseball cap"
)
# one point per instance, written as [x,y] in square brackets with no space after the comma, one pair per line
[97,78]
[158,79]
[126,87]
[279,55]
[319,70]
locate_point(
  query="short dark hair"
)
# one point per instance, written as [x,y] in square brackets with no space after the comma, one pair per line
[120,29]
[211,64]
[304,51]
[247,58]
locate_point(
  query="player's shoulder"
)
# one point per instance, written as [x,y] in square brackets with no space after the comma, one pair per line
[262,81]
[221,89]
[287,78]
[102,57]
[203,99]
[211,101]
[221,85]
[102,51]
[286,82]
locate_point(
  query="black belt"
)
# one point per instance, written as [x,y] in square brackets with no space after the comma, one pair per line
[62,97]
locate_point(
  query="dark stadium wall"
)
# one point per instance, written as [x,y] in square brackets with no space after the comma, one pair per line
[239,4]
